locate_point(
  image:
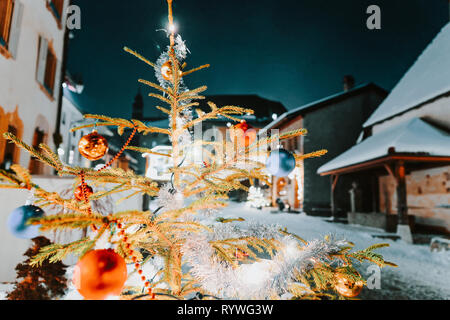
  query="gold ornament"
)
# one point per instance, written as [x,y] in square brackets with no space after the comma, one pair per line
[346,286]
[93,146]
[166,70]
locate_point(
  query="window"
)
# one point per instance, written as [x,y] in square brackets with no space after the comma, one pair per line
[10,20]
[56,8]
[48,69]
[35,165]
[10,150]
[9,122]
[6,7]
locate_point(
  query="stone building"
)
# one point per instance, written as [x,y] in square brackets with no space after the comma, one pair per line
[333,123]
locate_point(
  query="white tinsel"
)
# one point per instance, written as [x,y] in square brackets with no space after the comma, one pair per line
[181,52]
[259,280]
[169,199]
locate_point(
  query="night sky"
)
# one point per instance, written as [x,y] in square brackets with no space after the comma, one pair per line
[290,51]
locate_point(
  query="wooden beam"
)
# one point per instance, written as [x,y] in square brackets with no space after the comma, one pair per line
[402,205]
[334,180]
[390,171]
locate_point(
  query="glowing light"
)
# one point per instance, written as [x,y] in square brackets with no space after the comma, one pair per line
[172,28]
[60,151]
[274,116]
[229,124]
[71,156]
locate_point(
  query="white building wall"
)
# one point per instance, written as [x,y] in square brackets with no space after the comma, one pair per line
[18,84]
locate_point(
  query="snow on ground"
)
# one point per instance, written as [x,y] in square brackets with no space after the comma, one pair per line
[421,274]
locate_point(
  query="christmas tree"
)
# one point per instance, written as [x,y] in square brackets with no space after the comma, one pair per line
[192,258]
[44,282]
[256,198]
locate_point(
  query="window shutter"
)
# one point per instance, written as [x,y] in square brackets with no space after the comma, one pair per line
[15,28]
[57,85]
[42,59]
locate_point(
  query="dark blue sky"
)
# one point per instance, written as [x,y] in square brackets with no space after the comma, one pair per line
[290,51]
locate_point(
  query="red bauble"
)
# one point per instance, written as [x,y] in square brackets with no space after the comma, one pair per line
[240,254]
[243,133]
[78,193]
[93,146]
[99,274]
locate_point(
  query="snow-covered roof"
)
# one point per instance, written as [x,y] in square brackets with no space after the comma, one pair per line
[324,101]
[413,136]
[426,79]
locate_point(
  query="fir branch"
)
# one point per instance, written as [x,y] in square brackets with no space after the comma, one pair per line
[160,97]
[41,157]
[314,154]
[195,69]
[56,160]
[57,252]
[146,150]
[155,86]
[140,57]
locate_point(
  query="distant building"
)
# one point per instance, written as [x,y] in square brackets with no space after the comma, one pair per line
[333,123]
[32,35]
[406,149]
